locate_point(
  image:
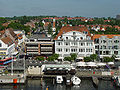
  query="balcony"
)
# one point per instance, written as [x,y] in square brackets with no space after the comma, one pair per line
[32,47]
[46,47]
[46,52]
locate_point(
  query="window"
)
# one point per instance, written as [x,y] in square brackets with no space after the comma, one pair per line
[58,43]
[85,32]
[115,47]
[66,50]
[116,52]
[104,41]
[66,38]
[91,50]
[116,41]
[74,33]
[59,50]
[81,38]
[71,50]
[82,44]
[0,44]
[66,43]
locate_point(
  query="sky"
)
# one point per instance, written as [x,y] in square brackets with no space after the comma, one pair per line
[86,8]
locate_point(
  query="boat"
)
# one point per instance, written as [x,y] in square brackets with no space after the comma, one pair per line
[117,81]
[95,81]
[75,80]
[68,80]
[59,79]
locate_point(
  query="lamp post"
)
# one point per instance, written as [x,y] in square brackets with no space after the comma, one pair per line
[24,65]
[12,65]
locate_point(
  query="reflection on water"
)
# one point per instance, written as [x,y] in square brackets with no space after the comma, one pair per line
[39,84]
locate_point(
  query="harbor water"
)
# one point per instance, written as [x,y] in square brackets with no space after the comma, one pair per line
[48,84]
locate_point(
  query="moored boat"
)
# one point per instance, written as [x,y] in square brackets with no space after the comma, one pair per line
[75,80]
[117,81]
[59,79]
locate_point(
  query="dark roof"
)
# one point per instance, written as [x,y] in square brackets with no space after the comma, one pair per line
[40,35]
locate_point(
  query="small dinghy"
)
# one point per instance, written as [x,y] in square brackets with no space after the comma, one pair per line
[59,79]
[75,80]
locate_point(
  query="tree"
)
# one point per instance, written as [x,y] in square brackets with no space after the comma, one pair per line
[40,58]
[50,58]
[107,59]
[93,57]
[113,57]
[73,56]
[87,59]
[55,56]
[49,29]
[67,58]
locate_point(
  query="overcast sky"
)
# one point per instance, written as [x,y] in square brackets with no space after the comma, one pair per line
[87,8]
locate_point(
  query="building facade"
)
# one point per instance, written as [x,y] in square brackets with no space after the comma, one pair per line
[7,47]
[74,39]
[39,44]
[107,45]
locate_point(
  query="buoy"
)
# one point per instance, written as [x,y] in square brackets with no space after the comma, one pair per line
[47,88]
[14,80]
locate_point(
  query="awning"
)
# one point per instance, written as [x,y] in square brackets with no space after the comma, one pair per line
[79,57]
[93,64]
[60,58]
[81,64]
[101,64]
[110,63]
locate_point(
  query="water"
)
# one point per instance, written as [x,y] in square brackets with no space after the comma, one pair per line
[86,84]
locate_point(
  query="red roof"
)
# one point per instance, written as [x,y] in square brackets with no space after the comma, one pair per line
[66,29]
[107,35]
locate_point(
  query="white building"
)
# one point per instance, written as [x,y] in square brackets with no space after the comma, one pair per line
[21,36]
[7,46]
[74,39]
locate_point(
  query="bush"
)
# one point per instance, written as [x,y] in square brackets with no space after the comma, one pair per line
[87,59]
[107,59]
[40,58]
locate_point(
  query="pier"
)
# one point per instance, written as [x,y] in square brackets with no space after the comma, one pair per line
[12,79]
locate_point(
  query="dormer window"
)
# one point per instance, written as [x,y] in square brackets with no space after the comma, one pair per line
[85,32]
[74,33]
[81,38]
[66,38]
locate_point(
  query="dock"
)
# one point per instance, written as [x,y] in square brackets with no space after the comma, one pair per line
[12,79]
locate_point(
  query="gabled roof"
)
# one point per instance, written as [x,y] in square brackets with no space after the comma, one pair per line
[7,40]
[11,32]
[1,33]
[66,29]
[107,35]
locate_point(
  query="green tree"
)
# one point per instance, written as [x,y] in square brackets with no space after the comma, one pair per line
[50,58]
[73,56]
[67,58]
[107,59]
[49,29]
[40,58]
[55,56]
[87,59]
[93,57]
[113,57]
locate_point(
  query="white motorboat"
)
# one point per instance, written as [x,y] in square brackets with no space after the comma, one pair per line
[59,79]
[75,80]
